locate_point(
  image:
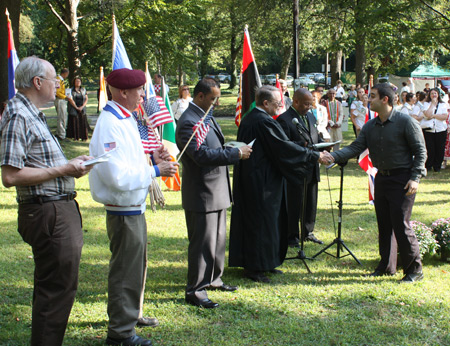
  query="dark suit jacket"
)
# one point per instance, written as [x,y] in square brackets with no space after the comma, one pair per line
[205,177]
[307,137]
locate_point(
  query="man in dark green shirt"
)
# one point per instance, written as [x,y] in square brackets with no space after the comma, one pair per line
[397,149]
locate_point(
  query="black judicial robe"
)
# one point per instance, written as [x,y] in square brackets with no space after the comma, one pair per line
[258,231]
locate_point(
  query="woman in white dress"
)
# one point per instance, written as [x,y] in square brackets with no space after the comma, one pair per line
[180,105]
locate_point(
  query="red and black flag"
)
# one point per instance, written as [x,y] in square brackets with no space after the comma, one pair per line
[249,81]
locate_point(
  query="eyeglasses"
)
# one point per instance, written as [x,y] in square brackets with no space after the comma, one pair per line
[185,89]
[279,103]
[56,81]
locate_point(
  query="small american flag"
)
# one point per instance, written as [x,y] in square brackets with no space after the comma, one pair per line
[109,146]
[203,128]
[156,111]
[149,137]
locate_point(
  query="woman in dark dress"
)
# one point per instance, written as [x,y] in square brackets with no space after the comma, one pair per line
[77,125]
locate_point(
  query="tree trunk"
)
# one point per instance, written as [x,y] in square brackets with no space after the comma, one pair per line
[336,66]
[360,61]
[73,49]
[14,15]
[288,51]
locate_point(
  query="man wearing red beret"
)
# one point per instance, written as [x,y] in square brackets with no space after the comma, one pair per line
[121,184]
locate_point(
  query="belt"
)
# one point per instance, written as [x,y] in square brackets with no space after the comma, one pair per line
[396,171]
[44,199]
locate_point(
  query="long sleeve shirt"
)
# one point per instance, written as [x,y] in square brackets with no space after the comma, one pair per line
[396,143]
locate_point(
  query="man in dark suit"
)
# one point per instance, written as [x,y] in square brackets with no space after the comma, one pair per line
[306,137]
[206,194]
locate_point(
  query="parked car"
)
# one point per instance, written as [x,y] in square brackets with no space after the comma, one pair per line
[262,78]
[271,79]
[289,80]
[305,81]
[224,77]
[318,76]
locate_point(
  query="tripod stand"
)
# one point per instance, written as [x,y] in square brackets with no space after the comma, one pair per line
[301,253]
[338,241]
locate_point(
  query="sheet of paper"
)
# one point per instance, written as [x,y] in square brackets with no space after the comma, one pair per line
[99,159]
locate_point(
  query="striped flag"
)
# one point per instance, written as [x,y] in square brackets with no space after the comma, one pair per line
[154,105]
[203,128]
[149,137]
[249,81]
[13,59]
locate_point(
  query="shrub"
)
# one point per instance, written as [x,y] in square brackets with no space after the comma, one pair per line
[425,236]
[441,230]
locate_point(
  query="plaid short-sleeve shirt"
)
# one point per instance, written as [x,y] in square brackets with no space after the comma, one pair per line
[26,141]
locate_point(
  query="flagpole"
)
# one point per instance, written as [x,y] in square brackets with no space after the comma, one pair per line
[196,129]
[113,38]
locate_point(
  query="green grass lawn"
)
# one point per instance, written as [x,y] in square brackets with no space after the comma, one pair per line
[334,305]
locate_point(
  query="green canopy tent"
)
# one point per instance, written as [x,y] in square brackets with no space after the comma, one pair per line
[430,71]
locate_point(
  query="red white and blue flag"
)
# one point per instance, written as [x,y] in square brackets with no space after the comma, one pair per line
[13,59]
[149,137]
[154,106]
[201,129]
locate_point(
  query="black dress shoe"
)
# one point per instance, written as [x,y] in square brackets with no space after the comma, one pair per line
[226,288]
[377,273]
[204,303]
[413,277]
[131,341]
[256,276]
[311,237]
[147,322]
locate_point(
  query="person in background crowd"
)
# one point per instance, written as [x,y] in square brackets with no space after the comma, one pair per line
[321,115]
[49,218]
[351,95]
[180,105]
[286,96]
[61,106]
[340,91]
[434,125]
[407,108]
[359,114]
[356,104]
[417,111]
[335,118]
[157,80]
[427,88]
[77,126]
[398,105]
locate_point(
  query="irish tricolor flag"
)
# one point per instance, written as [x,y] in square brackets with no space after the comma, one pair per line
[249,81]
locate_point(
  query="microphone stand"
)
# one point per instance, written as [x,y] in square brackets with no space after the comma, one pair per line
[338,241]
[301,253]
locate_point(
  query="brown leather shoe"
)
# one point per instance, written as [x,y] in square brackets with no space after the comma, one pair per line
[147,322]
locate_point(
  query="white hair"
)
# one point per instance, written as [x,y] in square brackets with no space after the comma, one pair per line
[29,68]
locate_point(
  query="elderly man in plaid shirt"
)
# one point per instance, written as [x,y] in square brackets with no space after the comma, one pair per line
[48,217]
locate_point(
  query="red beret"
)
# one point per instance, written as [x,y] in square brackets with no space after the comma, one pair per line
[124,78]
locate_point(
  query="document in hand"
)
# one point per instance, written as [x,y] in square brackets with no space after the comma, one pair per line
[99,159]
[235,144]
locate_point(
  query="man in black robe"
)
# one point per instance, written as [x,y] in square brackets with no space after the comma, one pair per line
[258,234]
